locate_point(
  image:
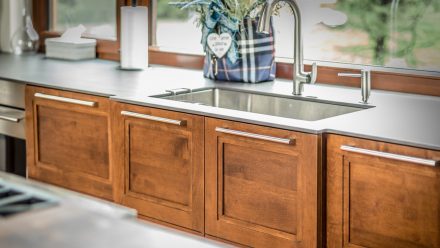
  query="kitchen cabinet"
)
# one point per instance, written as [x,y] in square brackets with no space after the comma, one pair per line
[159,158]
[68,140]
[251,185]
[261,185]
[381,194]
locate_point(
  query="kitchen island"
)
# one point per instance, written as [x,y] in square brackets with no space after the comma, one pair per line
[77,221]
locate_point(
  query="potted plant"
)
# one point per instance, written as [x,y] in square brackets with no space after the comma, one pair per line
[235,51]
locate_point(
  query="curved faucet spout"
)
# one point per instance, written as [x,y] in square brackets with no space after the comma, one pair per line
[299,77]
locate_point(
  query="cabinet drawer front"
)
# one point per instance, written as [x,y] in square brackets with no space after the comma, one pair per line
[72,141]
[69,144]
[385,202]
[261,189]
[162,164]
[159,164]
[249,171]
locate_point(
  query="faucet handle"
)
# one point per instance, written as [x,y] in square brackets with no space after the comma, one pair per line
[314,73]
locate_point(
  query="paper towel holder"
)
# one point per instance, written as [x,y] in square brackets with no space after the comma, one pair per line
[134,37]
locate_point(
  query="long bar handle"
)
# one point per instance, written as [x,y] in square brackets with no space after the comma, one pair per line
[153,118]
[404,158]
[65,99]
[255,136]
[9,118]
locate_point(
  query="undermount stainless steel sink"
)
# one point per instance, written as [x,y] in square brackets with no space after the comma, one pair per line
[275,105]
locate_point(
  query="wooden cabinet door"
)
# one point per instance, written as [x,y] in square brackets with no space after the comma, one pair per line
[160,162]
[376,199]
[261,185]
[68,140]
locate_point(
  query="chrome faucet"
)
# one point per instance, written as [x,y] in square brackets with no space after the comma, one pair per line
[299,77]
[365,76]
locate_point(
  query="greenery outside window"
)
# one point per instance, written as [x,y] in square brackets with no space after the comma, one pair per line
[176,29]
[389,33]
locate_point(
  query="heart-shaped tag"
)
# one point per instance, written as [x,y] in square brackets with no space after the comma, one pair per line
[219,44]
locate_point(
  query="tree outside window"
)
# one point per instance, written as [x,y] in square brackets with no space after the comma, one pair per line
[395,33]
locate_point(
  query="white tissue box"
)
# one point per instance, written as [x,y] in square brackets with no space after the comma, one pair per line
[72,49]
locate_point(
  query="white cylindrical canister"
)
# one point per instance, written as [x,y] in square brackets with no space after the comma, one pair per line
[134,37]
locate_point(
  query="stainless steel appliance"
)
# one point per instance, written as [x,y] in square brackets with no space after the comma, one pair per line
[12,134]
[16,198]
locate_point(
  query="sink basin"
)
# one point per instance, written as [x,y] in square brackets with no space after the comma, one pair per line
[275,105]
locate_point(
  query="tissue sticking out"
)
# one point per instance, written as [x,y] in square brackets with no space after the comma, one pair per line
[71,46]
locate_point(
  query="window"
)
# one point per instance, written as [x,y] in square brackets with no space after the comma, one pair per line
[177,29]
[98,16]
[391,33]
[402,34]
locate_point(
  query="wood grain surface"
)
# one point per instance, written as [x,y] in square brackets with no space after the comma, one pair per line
[160,166]
[378,202]
[67,144]
[260,193]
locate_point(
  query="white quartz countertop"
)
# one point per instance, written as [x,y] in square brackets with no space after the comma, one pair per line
[406,119]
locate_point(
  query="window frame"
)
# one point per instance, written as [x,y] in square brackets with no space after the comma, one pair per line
[383,78]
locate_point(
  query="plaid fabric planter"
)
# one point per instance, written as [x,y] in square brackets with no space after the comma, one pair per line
[256,61]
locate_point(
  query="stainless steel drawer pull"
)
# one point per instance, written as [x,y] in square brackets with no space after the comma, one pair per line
[9,118]
[422,161]
[65,99]
[153,118]
[11,114]
[255,136]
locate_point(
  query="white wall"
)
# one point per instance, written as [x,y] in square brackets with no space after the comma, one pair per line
[10,20]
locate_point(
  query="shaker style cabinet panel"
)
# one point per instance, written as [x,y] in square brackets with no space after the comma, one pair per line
[159,158]
[68,140]
[381,195]
[261,185]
